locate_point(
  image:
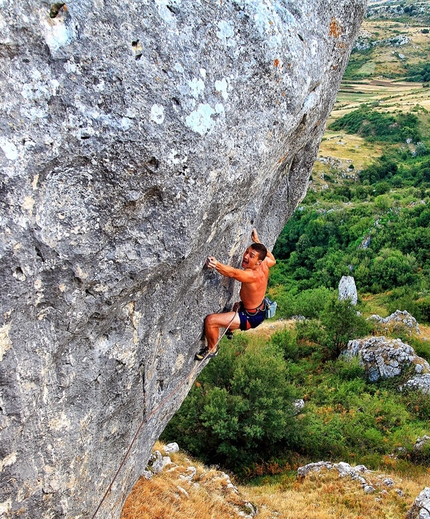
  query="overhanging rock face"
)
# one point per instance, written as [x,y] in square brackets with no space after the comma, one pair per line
[137,138]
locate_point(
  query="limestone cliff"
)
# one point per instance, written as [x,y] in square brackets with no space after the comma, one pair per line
[136,139]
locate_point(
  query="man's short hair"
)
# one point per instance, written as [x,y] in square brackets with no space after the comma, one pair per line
[261,249]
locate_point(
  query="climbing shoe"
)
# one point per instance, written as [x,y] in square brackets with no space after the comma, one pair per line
[212,354]
[205,353]
[200,355]
[229,334]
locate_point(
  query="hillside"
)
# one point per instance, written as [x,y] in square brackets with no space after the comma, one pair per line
[367,204]
[393,41]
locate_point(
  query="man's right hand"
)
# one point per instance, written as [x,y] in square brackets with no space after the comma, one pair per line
[211,262]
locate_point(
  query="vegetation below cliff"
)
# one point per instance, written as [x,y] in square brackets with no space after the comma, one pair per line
[244,413]
[178,492]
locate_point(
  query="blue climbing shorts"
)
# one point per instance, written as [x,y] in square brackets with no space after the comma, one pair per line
[251,319]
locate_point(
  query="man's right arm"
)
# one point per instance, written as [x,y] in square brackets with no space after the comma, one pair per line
[244,276]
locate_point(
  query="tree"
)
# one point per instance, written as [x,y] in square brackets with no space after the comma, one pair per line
[392,269]
[342,323]
[240,408]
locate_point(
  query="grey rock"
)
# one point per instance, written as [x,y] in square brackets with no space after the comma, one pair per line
[385,358]
[147,474]
[156,462]
[136,139]
[298,405]
[171,448]
[191,472]
[400,320]
[313,467]
[421,507]
[344,469]
[420,382]
[422,442]
[347,289]
[250,510]
[166,461]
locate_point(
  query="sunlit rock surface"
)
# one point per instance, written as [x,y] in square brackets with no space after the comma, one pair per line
[347,289]
[387,358]
[421,506]
[136,139]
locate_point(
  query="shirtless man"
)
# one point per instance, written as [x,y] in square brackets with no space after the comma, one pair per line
[250,311]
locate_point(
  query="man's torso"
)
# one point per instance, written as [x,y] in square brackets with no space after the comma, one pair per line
[252,294]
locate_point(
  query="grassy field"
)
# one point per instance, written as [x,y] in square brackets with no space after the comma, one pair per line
[349,150]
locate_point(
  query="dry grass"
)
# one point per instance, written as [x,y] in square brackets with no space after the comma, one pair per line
[209,494]
[424,332]
[326,495]
[267,328]
[178,494]
[348,149]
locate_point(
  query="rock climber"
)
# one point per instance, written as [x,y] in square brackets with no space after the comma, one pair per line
[249,312]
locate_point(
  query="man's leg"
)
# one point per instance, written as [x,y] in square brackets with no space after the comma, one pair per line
[214,322]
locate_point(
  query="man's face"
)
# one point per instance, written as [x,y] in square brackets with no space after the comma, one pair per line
[250,259]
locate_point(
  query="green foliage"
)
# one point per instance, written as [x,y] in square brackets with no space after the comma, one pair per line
[307,303]
[339,322]
[419,73]
[342,323]
[241,407]
[286,341]
[423,313]
[384,245]
[391,269]
[240,410]
[357,60]
[379,126]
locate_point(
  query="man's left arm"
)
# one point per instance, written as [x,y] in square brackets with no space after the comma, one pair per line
[270,258]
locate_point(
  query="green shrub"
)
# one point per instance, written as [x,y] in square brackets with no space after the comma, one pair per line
[311,331]
[419,73]
[286,341]
[423,306]
[377,126]
[341,323]
[245,416]
[310,303]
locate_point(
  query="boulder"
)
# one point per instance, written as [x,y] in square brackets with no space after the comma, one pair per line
[421,507]
[385,358]
[347,289]
[421,442]
[344,470]
[137,138]
[419,382]
[399,321]
[171,448]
